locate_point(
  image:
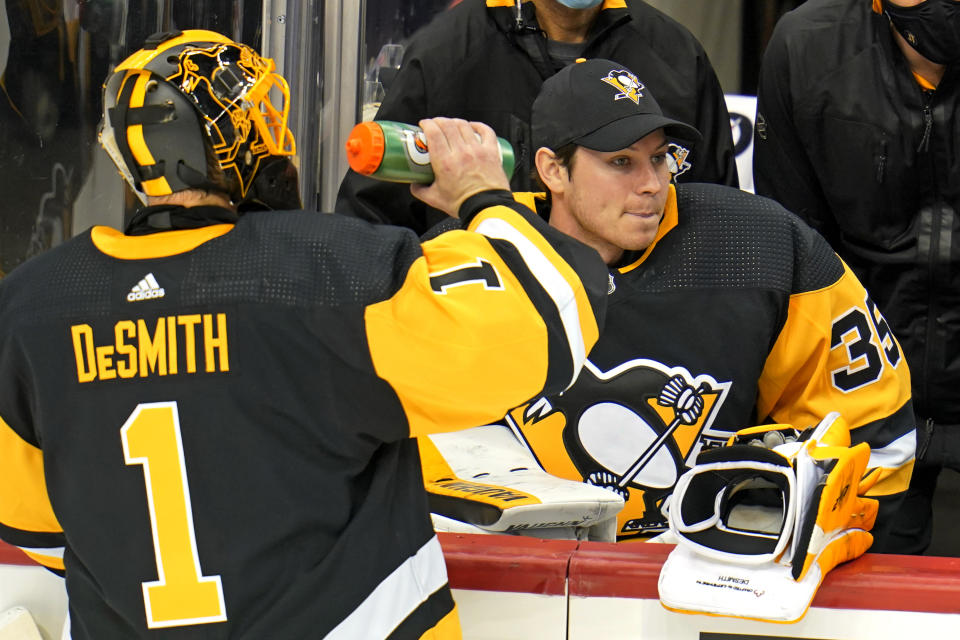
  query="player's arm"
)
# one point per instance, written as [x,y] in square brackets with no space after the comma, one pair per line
[27,520]
[781,168]
[837,353]
[491,315]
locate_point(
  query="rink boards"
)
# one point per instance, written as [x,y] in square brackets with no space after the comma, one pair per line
[510,587]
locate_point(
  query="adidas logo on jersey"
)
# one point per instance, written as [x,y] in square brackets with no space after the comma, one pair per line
[146,289]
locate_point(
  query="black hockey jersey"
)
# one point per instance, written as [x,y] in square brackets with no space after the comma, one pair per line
[208,429]
[737,314]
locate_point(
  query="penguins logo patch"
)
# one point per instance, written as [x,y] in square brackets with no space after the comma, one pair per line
[631,430]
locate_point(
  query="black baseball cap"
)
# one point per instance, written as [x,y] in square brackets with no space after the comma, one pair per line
[601,105]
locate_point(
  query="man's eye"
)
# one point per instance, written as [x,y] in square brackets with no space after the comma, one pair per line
[659,159]
[620,161]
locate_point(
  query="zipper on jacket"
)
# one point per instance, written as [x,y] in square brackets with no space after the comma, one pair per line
[927,242]
[924,145]
[939,223]
[882,161]
[924,437]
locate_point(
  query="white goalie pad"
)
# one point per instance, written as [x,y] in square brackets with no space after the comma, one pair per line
[17,624]
[486,479]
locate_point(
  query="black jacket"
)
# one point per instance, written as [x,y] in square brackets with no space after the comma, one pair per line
[473,62]
[848,139]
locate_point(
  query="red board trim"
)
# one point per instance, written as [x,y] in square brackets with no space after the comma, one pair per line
[11,555]
[631,570]
[517,564]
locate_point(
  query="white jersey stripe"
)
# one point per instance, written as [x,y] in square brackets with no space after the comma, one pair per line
[895,454]
[45,552]
[550,278]
[397,596]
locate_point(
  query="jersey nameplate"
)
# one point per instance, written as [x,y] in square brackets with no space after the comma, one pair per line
[173,345]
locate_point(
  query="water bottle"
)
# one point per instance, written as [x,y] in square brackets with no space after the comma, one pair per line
[397,152]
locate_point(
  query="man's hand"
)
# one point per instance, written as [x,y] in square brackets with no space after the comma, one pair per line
[466,160]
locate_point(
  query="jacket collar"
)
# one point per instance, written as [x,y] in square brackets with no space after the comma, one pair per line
[525,32]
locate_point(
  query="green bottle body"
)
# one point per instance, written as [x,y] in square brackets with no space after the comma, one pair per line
[406,157]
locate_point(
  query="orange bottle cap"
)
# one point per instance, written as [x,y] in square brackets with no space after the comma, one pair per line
[365,146]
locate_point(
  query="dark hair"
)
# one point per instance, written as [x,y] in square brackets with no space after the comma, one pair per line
[217,179]
[564,156]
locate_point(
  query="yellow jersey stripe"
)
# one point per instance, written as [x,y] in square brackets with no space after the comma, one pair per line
[447,629]
[24,503]
[896,461]
[892,481]
[160,245]
[50,558]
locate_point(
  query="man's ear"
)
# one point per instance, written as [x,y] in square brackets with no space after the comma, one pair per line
[552,173]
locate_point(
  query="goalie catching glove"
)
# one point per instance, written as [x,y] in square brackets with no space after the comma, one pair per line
[759,528]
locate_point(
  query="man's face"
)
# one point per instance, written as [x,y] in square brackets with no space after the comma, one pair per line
[613,201]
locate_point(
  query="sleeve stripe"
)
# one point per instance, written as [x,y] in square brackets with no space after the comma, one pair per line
[892,482]
[895,461]
[50,558]
[895,454]
[886,428]
[399,595]
[31,539]
[24,503]
[559,364]
[49,552]
[550,278]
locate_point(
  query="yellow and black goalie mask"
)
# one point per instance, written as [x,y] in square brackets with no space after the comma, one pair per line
[184,90]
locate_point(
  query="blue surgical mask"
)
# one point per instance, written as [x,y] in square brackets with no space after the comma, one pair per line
[580,4]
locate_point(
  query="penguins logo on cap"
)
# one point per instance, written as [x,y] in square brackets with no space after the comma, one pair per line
[627,83]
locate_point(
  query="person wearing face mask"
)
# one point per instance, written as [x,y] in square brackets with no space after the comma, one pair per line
[485,60]
[858,132]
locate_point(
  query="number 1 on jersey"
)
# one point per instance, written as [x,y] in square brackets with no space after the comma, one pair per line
[181,595]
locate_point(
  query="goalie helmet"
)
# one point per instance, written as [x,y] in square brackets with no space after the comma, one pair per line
[192,109]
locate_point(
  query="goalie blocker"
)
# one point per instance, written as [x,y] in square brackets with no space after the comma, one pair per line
[758,529]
